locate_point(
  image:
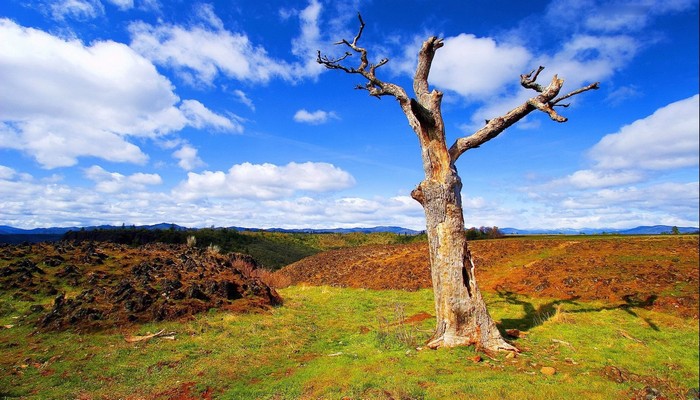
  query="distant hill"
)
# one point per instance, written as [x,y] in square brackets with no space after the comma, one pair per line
[377,229]
[640,230]
[12,235]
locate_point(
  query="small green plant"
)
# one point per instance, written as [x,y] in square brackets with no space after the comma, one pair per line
[396,332]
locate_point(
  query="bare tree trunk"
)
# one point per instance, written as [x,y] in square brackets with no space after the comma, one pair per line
[462,317]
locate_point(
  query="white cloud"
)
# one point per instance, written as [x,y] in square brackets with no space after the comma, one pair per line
[309,41]
[205,12]
[643,174]
[200,117]
[206,50]
[6,172]
[588,58]
[477,67]
[29,203]
[188,158]
[76,9]
[114,182]
[667,139]
[611,16]
[582,60]
[265,181]
[201,53]
[594,179]
[314,117]
[62,100]
[622,94]
[123,4]
[243,98]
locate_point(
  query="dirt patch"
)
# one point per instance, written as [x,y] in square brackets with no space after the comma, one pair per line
[185,391]
[114,285]
[656,272]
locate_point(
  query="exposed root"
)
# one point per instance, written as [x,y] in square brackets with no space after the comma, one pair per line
[491,348]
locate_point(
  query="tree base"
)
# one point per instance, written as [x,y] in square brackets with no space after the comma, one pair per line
[493,343]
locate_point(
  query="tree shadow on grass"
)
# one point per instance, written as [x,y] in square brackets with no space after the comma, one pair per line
[535,316]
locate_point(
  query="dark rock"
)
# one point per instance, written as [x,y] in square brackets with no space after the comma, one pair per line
[195,292]
[651,393]
[54,261]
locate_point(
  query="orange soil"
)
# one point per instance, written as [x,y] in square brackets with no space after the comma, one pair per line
[658,272]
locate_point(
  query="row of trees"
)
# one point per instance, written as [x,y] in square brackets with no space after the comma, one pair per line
[485,232]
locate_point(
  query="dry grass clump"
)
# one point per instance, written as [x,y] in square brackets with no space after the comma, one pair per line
[274,279]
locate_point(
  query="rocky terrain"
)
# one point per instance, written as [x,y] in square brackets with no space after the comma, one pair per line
[92,286]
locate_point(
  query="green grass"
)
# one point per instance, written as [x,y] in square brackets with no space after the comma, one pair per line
[333,343]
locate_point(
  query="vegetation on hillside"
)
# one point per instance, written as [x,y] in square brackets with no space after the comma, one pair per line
[272,250]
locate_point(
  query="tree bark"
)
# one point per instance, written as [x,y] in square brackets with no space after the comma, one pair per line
[461,314]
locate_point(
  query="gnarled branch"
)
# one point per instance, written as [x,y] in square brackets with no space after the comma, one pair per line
[545,102]
[374,86]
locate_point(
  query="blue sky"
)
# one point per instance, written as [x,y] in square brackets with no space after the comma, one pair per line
[216,113]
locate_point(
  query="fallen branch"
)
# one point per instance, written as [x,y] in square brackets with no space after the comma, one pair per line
[628,336]
[160,334]
[564,343]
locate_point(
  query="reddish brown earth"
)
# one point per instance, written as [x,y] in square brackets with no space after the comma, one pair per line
[98,286]
[656,272]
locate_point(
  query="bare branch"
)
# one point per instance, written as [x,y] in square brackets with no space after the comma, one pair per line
[545,102]
[592,86]
[425,61]
[374,86]
[359,32]
[528,80]
[546,108]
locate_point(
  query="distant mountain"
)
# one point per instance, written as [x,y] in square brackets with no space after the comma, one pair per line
[640,230]
[9,230]
[390,229]
[656,229]
[9,234]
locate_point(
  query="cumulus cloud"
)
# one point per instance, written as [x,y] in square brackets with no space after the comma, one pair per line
[314,117]
[188,158]
[128,198]
[625,186]
[667,139]
[476,67]
[200,53]
[265,181]
[114,182]
[204,51]
[581,60]
[592,178]
[199,117]
[6,172]
[62,99]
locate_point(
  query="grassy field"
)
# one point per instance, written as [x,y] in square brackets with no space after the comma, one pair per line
[336,343]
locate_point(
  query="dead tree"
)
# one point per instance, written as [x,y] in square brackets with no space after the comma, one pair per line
[462,317]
